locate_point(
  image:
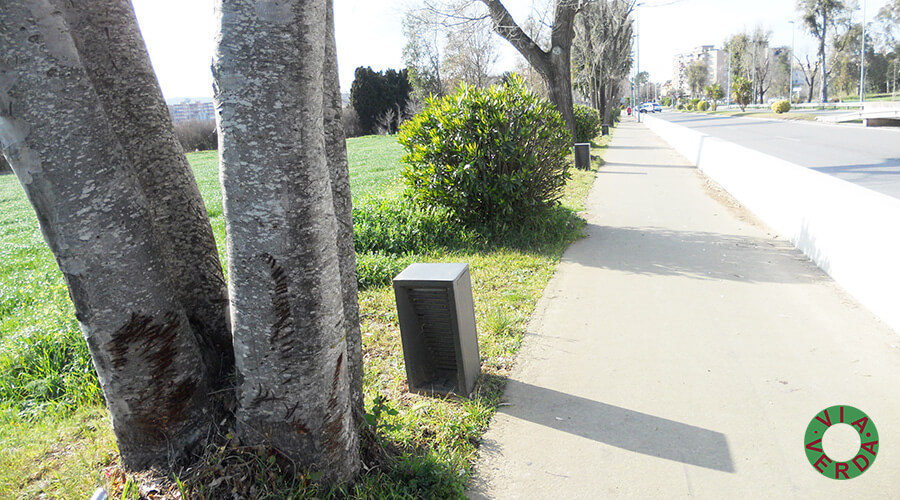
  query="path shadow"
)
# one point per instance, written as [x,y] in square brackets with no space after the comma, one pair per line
[649,148]
[619,427]
[696,254]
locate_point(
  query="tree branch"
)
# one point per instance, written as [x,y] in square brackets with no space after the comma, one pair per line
[506,27]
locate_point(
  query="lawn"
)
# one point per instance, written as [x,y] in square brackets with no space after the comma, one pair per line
[54,429]
[759,113]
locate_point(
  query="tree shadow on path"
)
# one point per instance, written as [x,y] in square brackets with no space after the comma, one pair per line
[616,426]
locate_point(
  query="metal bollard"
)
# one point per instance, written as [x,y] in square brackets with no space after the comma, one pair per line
[437,327]
[583,155]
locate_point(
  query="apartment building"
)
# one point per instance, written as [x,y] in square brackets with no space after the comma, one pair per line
[192,110]
[716,68]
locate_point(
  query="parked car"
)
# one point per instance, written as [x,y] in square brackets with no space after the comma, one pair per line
[651,107]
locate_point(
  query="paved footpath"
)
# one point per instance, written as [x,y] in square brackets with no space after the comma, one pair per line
[681,350]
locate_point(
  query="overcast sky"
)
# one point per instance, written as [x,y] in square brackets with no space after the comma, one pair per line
[179,34]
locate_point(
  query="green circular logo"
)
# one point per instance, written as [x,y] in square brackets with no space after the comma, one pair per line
[868,438]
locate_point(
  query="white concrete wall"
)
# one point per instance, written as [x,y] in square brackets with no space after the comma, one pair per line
[850,232]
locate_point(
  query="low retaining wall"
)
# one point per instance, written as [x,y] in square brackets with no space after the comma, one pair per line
[850,232]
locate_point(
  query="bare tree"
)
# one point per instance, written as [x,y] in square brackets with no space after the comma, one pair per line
[810,72]
[423,53]
[553,63]
[818,15]
[286,201]
[536,26]
[85,127]
[602,52]
[470,55]
[760,63]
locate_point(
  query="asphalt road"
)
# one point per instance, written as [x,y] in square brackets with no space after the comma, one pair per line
[869,157]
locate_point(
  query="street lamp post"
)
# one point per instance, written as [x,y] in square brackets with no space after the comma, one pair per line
[862,59]
[791,66]
[728,82]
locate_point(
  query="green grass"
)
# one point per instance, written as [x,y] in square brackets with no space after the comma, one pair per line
[871,97]
[373,166]
[55,432]
[790,115]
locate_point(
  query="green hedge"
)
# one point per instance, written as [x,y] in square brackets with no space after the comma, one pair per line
[587,123]
[495,154]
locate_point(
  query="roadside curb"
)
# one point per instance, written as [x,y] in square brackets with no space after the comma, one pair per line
[847,230]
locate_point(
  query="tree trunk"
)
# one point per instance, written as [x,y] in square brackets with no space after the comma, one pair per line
[336,150]
[116,60]
[553,66]
[823,84]
[292,341]
[603,106]
[99,222]
[559,85]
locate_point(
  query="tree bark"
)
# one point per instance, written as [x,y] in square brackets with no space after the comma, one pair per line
[292,342]
[112,50]
[336,151]
[99,222]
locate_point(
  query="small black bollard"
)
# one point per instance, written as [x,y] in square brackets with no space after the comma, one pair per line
[583,155]
[605,128]
[437,328]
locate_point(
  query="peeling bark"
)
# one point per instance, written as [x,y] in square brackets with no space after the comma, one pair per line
[291,337]
[71,156]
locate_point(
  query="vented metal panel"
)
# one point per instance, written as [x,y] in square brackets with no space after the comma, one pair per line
[434,311]
[437,326]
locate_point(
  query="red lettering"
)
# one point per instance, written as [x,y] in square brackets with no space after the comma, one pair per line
[813,448]
[870,447]
[861,423]
[820,462]
[826,422]
[856,463]
[841,468]
[842,413]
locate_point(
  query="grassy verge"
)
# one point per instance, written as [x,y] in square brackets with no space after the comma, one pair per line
[54,430]
[871,97]
[790,115]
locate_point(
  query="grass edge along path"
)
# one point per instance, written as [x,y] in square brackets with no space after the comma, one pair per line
[425,446]
[790,115]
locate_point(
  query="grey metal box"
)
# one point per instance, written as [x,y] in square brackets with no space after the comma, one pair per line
[437,327]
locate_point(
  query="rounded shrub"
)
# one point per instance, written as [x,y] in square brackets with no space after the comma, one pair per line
[782,106]
[587,123]
[495,154]
[702,106]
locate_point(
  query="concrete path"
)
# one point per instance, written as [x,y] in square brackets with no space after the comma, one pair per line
[681,350]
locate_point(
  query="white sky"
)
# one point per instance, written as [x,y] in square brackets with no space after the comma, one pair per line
[179,34]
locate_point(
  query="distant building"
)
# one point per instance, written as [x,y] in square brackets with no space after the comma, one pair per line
[716,68]
[192,110]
